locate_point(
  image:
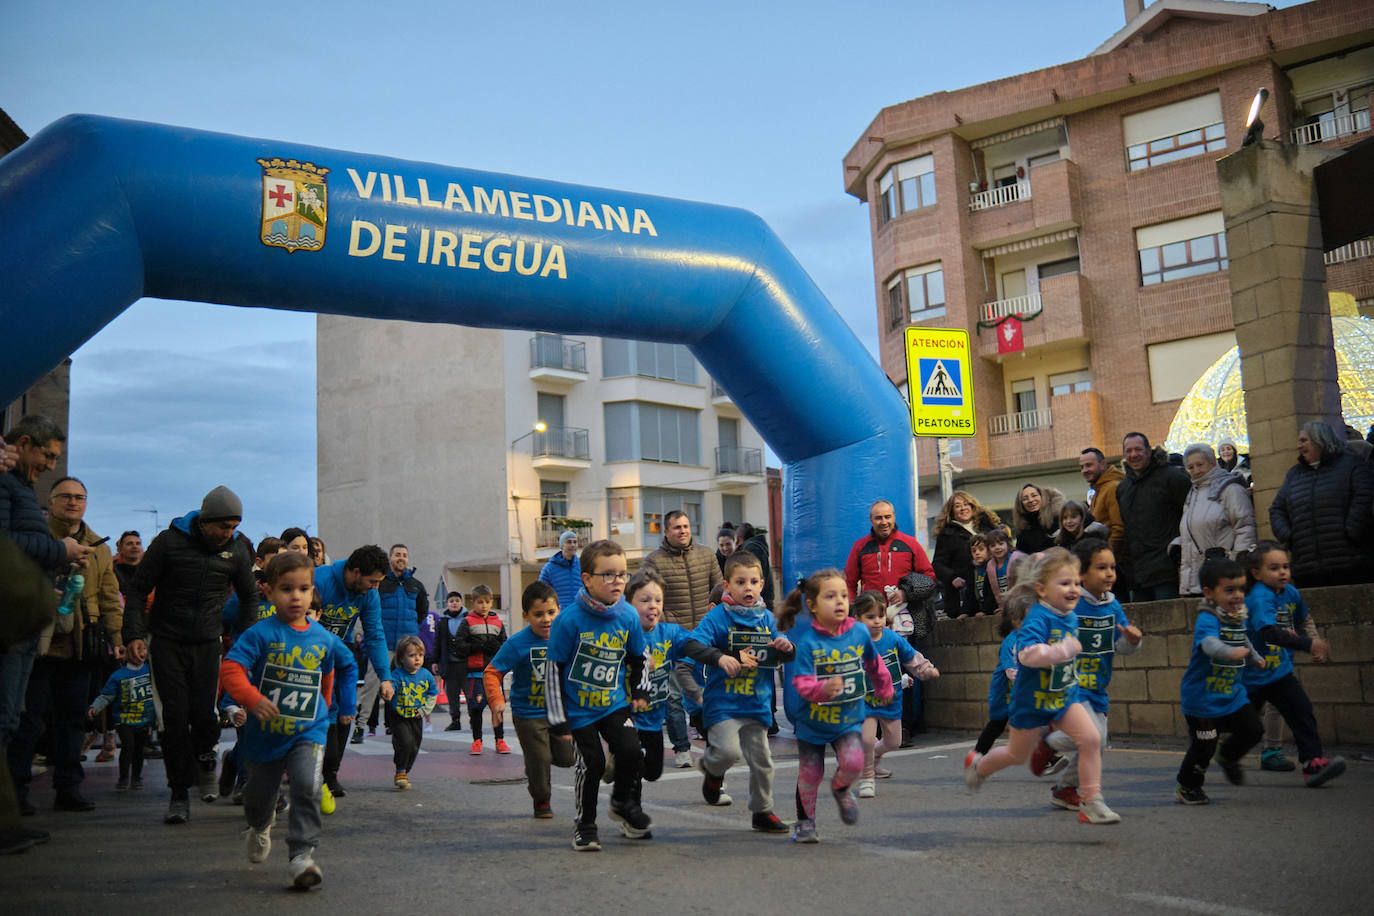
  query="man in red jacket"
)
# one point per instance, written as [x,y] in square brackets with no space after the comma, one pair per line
[881,557]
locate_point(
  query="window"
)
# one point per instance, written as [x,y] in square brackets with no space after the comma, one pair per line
[1176,365]
[638,431]
[1182,248]
[1070,382]
[1043,159]
[925,295]
[1023,394]
[672,362]
[896,311]
[732,507]
[1058,268]
[1177,131]
[907,185]
[657,503]
[553,498]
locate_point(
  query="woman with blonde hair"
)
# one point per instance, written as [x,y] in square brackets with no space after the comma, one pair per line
[961,518]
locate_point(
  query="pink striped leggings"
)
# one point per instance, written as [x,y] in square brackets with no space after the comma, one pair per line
[849,762]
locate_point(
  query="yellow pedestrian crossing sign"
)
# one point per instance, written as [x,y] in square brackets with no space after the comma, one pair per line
[939,382]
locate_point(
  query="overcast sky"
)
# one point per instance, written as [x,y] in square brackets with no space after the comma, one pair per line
[748,104]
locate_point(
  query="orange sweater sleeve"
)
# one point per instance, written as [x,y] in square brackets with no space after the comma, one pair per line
[491,680]
[233,677]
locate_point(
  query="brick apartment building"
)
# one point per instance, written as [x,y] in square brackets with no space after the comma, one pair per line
[1083,199]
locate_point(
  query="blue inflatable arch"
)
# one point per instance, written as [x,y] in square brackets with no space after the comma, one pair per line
[96,213]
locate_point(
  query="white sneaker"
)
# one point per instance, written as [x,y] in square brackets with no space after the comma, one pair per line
[304,872]
[972,781]
[682,759]
[257,844]
[881,772]
[866,789]
[1096,812]
[725,798]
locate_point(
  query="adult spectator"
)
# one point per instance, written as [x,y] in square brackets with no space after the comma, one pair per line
[1103,479]
[749,538]
[689,573]
[1218,516]
[1229,458]
[1355,444]
[189,569]
[129,552]
[73,652]
[1151,498]
[404,603]
[1035,517]
[725,545]
[961,518]
[1322,511]
[564,569]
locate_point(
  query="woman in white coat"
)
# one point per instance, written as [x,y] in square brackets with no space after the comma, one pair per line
[1217,515]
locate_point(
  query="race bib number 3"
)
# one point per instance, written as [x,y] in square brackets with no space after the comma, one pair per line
[596,667]
[851,675]
[294,691]
[1097,634]
[757,643]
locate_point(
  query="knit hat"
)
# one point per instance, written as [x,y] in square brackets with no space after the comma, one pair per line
[221,504]
[565,537]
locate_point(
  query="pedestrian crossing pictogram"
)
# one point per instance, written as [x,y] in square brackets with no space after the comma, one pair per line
[941,382]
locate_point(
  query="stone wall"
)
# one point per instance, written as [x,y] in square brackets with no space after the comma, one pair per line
[1145,686]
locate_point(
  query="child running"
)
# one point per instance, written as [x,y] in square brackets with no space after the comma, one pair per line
[1045,690]
[832,658]
[129,694]
[897,656]
[283,671]
[416,694]
[738,642]
[1100,619]
[999,690]
[477,641]
[1213,688]
[525,655]
[1275,609]
[596,648]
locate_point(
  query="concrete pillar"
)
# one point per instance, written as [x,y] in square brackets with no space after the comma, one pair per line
[1279,304]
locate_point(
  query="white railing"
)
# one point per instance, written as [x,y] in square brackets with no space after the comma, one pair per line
[997,197]
[1331,128]
[1028,304]
[1363,248]
[1022,422]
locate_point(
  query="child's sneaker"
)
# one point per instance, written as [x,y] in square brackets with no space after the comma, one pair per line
[542,809]
[476,747]
[768,822]
[136,783]
[257,844]
[849,808]
[1096,812]
[584,838]
[402,782]
[304,873]
[1065,797]
[634,823]
[105,755]
[881,773]
[502,747]
[1041,758]
[326,800]
[711,786]
[682,759]
[1188,796]
[122,785]
[1233,771]
[1320,770]
[1272,760]
[283,804]
[1058,764]
[972,781]
[805,831]
[866,789]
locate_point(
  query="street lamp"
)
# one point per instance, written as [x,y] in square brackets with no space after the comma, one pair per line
[1254,127]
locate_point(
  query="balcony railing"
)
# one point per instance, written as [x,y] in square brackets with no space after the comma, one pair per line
[554,351]
[717,391]
[1331,128]
[997,197]
[560,442]
[548,528]
[1363,248]
[1028,304]
[1023,422]
[733,460]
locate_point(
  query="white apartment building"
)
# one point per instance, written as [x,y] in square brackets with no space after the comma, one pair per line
[477,447]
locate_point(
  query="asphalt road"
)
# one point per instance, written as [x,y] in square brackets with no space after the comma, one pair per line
[462,839]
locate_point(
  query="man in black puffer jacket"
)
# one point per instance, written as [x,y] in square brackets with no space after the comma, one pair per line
[1151,498]
[1322,511]
[192,565]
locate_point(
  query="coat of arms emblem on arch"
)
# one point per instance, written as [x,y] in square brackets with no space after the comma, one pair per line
[295,204]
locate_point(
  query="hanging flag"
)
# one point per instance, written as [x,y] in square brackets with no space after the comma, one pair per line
[1009,335]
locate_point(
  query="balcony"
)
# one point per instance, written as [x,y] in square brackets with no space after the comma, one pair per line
[738,467]
[1001,216]
[721,401]
[557,360]
[1330,129]
[547,528]
[1363,248]
[560,448]
[1062,309]
[1062,431]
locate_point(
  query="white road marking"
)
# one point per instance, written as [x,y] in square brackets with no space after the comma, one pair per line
[1189,905]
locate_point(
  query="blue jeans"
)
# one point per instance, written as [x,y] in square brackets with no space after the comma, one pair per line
[15,667]
[676,720]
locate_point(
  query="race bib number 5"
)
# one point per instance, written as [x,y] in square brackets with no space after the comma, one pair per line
[294,691]
[596,667]
[851,675]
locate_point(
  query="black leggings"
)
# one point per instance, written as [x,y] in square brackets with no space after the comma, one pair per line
[620,735]
[1292,703]
[133,740]
[406,735]
[1245,732]
[991,732]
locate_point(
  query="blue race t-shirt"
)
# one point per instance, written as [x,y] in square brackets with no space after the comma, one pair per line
[341,609]
[230,614]
[130,692]
[1213,687]
[591,648]
[895,653]
[665,642]
[1097,623]
[524,654]
[412,691]
[999,691]
[824,656]
[291,668]
[749,694]
[1283,609]
[1041,695]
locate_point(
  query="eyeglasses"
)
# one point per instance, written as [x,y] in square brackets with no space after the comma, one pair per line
[610,578]
[71,497]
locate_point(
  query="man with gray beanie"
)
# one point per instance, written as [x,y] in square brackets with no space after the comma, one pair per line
[189,569]
[564,570]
